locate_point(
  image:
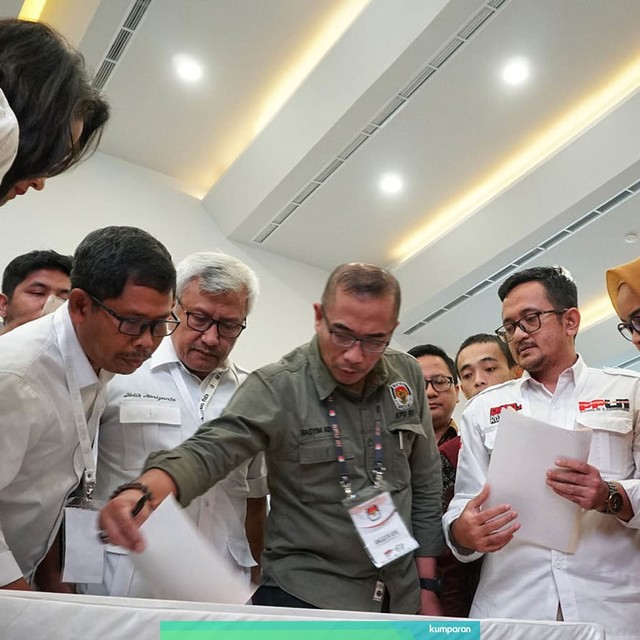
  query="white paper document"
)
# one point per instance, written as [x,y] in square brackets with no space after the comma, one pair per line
[524,450]
[179,564]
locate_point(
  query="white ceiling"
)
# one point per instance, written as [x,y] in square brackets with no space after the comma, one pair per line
[451,134]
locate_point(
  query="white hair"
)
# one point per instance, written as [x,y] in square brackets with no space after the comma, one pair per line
[217,272]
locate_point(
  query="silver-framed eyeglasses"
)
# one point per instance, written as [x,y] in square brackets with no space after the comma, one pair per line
[529,323]
[202,322]
[440,384]
[627,329]
[138,326]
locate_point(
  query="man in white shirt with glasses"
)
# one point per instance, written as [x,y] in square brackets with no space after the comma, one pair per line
[599,582]
[188,380]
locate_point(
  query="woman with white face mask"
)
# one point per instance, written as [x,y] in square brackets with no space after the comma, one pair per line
[50,115]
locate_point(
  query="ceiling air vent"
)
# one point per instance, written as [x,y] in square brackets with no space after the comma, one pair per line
[585,220]
[615,201]
[395,103]
[265,233]
[446,53]
[354,144]
[306,192]
[557,238]
[327,171]
[136,14]
[475,23]
[119,43]
[417,82]
[285,213]
[415,327]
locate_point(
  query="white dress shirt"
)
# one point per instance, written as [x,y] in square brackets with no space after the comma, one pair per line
[40,458]
[158,407]
[600,582]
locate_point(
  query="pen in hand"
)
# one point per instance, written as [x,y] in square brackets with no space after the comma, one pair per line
[140,504]
[137,508]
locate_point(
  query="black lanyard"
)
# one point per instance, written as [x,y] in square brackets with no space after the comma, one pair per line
[378,467]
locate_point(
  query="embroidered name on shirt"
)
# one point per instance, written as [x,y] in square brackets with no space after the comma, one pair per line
[605,404]
[314,431]
[149,396]
[494,412]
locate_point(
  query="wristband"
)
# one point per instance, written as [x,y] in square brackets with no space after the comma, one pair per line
[431,584]
[138,486]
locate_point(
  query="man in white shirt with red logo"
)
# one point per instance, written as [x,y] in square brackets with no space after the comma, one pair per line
[188,380]
[599,582]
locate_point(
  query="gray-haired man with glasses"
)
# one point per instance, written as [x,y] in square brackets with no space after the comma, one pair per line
[53,373]
[599,581]
[188,380]
[350,451]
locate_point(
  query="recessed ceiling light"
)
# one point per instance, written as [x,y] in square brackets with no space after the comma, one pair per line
[391,183]
[516,71]
[631,238]
[188,68]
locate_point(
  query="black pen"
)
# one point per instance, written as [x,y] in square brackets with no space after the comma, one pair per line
[140,504]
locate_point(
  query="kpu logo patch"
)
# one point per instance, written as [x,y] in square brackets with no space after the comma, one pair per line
[402,395]
[494,412]
[604,404]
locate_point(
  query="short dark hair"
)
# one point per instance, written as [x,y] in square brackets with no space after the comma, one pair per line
[46,85]
[21,266]
[361,279]
[432,350]
[108,258]
[557,282]
[488,338]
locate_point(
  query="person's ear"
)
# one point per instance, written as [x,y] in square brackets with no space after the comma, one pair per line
[4,301]
[572,321]
[80,304]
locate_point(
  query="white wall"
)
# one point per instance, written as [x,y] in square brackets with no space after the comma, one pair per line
[107,191]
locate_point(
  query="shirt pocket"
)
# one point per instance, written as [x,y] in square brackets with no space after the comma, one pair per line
[319,479]
[240,552]
[397,445]
[611,443]
[146,428]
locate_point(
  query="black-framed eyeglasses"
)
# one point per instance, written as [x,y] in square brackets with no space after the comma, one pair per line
[347,340]
[440,384]
[138,326]
[202,322]
[529,323]
[627,329]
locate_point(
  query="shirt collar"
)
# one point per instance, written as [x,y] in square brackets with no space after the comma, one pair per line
[68,340]
[326,384]
[451,432]
[166,354]
[577,372]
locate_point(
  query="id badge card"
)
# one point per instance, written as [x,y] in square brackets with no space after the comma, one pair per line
[383,533]
[83,551]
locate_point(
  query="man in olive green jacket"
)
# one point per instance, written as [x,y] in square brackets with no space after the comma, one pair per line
[331,417]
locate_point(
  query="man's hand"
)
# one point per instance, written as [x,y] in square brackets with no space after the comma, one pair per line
[116,518]
[481,529]
[579,482]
